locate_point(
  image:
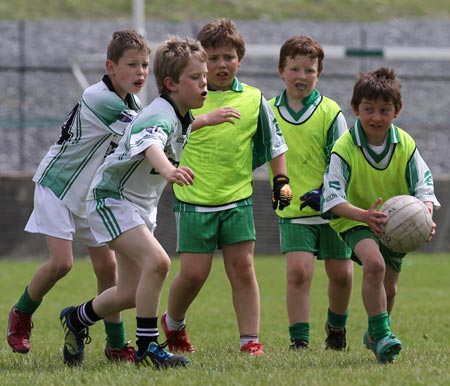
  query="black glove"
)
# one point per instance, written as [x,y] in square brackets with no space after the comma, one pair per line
[311,199]
[281,192]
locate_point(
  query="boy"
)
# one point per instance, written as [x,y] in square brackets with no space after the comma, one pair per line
[220,203]
[372,162]
[123,198]
[310,123]
[62,179]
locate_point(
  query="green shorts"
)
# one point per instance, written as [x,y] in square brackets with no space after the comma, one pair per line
[319,239]
[355,235]
[200,232]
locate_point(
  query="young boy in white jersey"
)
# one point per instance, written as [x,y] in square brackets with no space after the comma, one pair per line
[123,199]
[220,203]
[371,163]
[91,130]
[310,123]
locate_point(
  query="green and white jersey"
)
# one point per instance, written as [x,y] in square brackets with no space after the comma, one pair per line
[310,135]
[360,173]
[126,173]
[224,156]
[91,131]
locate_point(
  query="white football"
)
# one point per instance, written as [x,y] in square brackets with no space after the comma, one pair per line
[408,224]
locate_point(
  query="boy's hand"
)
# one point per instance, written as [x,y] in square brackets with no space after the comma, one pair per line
[281,192]
[375,219]
[181,176]
[311,199]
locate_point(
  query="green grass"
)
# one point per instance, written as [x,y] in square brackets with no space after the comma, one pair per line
[180,10]
[421,319]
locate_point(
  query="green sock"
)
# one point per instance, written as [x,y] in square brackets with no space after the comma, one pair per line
[299,331]
[337,320]
[379,326]
[25,304]
[115,334]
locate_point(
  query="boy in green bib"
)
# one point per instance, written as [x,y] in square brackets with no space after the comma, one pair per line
[217,211]
[310,123]
[371,163]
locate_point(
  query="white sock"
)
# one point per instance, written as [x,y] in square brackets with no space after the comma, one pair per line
[174,324]
[244,339]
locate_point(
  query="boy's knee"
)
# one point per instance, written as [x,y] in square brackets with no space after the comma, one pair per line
[59,269]
[161,265]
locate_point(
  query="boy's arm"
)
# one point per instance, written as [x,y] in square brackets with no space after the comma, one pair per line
[180,176]
[334,197]
[278,165]
[334,186]
[371,216]
[216,117]
[268,141]
[420,180]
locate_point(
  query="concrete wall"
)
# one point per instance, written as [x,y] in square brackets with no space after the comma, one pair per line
[39,89]
[16,197]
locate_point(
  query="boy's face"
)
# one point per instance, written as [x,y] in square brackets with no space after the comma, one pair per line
[376,117]
[223,64]
[191,90]
[128,76]
[300,75]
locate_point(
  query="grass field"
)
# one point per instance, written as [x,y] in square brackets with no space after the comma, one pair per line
[179,10]
[421,319]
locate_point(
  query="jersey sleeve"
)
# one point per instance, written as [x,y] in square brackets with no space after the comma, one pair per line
[420,180]
[268,142]
[337,129]
[110,109]
[334,185]
[144,134]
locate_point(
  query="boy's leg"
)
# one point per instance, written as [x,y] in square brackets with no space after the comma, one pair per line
[373,292]
[140,247]
[299,274]
[47,275]
[378,337]
[340,275]
[239,266]
[196,253]
[104,265]
[76,320]
[391,284]
[184,289]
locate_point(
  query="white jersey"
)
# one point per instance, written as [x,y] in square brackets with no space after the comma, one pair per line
[91,131]
[126,173]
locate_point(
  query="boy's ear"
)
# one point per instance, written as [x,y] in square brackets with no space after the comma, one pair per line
[280,72]
[169,84]
[355,109]
[398,109]
[109,65]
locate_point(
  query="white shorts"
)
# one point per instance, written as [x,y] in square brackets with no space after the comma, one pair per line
[110,217]
[52,217]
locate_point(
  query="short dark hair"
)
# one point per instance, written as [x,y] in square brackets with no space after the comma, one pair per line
[222,32]
[125,40]
[301,45]
[382,83]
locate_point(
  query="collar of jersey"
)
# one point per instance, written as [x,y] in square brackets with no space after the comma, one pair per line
[236,86]
[186,120]
[312,99]
[360,139]
[129,100]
